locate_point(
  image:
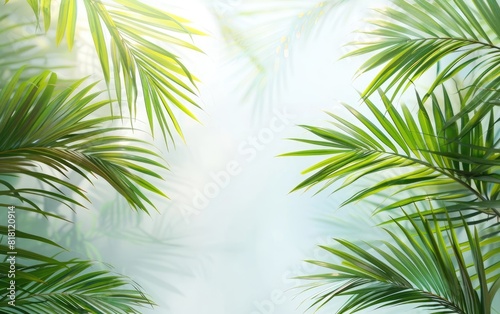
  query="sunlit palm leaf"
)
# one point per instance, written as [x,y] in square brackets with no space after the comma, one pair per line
[140,54]
[462,37]
[417,268]
[432,165]
[39,125]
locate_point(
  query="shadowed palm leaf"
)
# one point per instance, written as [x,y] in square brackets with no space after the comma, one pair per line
[267,46]
[20,48]
[42,126]
[418,267]
[17,49]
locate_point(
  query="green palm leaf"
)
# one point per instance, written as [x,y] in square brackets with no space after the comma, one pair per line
[459,37]
[46,285]
[140,54]
[70,287]
[42,126]
[458,175]
[416,268]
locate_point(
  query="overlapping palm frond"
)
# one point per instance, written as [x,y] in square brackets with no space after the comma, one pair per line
[461,176]
[44,284]
[141,56]
[422,266]
[41,125]
[51,132]
[461,38]
[442,156]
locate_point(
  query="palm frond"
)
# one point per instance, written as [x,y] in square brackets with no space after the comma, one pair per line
[140,57]
[44,284]
[41,126]
[458,38]
[431,164]
[417,267]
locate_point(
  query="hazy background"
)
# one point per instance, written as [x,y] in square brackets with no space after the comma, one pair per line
[231,236]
